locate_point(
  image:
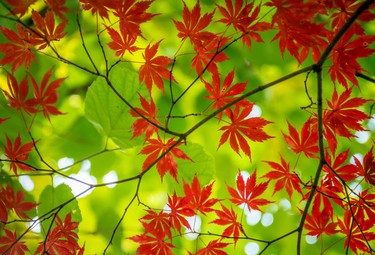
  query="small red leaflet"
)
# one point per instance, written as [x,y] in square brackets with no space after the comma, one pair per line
[200,200]
[221,95]
[342,116]
[151,244]
[225,217]
[18,153]
[20,50]
[46,95]
[157,223]
[367,169]
[46,28]
[156,147]
[178,210]
[248,193]
[306,143]
[20,6]
[15,201]
[121,42]
[241,125]
[155,68]
[141,126]
[193,24]
[285,178]
[17,95]
[10,245]
[214,247]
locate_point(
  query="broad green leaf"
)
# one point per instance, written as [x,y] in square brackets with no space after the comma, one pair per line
[109,114]
[61,198]
[203,166]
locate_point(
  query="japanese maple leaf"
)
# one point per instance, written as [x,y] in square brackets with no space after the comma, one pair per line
[367,168]
[157,223]
[347,172]
[156,147]
[10,245]
[343,116]
[46,94]
[18,153]
[121,42]
[193,24]
[248,193]
[228,217]
[20,48]
[357,238]
[208,54]
[200,197]
[178,210]
[15,201]
[242,17]
[62,239]
[319,222]
[155,68]
[345,54]
[20,6]
[141,125]
[99,6]
[307,142]
[132,14]
[344,9]
[46,28]
[285,178]
[214,247]
[17,95]
[58,8]
[151,244]
[242,126]
[363,205]
[225,93]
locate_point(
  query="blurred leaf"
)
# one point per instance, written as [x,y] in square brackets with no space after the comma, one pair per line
[108,113]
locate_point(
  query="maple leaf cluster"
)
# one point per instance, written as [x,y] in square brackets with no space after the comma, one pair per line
[44,97]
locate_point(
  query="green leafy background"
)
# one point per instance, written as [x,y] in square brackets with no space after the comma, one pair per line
[95,121]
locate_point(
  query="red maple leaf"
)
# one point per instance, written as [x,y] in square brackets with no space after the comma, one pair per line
[193,24]
[141,125]
[285,178]
[20,6]
[121,42]
[242,17]
[223,94]
[17,95]
[61,239]
[20,50]
[178,209]
[248,193]
[345,54]
[242,126]
[228,217]
[132,14]
[214,247]
[151,244]
[200,200]
[297,31]
[347,172]
[10,245]
[99,6]
[18,153]
[167,163]
[15,201]
[58,8]
[155,68]
[367,169]
[208,54]
[342,117]
[157,223]
[46,28]
[357,237]
[363,205]
[46,95]
[320,221]
[306,143]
